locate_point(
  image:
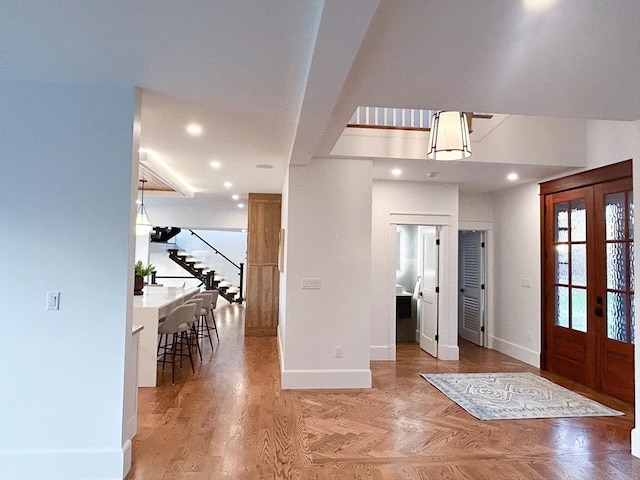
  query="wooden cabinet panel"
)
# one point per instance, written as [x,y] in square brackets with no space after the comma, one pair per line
[263,288]
[264,229]
[263,277]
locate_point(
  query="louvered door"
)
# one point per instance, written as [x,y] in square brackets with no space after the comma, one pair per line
[471,282]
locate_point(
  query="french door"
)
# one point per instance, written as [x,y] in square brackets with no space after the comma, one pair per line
[589,282]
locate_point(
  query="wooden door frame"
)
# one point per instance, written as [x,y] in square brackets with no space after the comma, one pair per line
[588,178]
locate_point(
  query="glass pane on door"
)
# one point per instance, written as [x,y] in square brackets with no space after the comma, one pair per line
[579,309]
[617,317]
[561,215]
[615,216]
[578,221]
[616,266]
[620,274]
[562,307]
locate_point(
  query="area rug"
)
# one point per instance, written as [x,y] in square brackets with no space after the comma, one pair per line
[501,396]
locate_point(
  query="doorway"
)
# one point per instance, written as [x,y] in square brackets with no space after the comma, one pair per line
[588,278]
[471,286]
[428,288]
[418,259]
[442,328]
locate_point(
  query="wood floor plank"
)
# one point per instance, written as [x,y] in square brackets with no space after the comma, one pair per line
[230,420]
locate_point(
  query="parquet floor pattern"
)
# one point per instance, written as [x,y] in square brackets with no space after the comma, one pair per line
[231,421]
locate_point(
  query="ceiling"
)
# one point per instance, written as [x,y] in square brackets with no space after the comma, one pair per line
[274,82]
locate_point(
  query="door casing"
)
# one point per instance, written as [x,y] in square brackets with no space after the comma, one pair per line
[590,178]
[448,281]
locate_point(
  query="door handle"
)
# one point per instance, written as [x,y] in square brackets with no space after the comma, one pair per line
[420,294]
[461,290]
[598,311]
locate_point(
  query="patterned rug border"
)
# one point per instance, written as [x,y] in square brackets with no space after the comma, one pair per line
[571,404]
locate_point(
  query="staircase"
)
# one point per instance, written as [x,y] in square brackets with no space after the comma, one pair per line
[208,277]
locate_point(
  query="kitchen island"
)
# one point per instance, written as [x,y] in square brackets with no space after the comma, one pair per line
[148,309]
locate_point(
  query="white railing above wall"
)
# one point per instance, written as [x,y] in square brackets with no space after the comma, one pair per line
[384,117]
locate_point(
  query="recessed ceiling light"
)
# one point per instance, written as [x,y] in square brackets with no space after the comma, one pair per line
[241,205]
[215,164]
[431,174]
[235,196]
[265,166]
[228,184]
[512,176]
[396,172]
[194,129]
[538,5]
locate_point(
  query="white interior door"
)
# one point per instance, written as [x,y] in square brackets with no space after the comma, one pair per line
[471,283]
[428,295]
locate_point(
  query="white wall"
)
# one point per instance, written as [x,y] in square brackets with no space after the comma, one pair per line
[67,188]
[533,140]
[195,213]
[505,139]
[407,275]
[408,198]
[516,329]
[611,142]
[329,238]
[517,245]
[475,207]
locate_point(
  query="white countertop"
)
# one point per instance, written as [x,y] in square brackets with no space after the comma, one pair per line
[158,297]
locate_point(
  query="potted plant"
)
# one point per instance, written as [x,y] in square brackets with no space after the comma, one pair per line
[140,272]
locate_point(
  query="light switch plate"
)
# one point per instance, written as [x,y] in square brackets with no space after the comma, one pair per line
[53,301]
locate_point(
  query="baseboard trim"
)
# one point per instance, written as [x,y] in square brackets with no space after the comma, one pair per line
[516,351]
[127,451]
[448,352]
[635,442]
[59,464]
[380,353]
[316,379]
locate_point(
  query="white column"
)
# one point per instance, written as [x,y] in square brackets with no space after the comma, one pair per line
[65,226]
[329,244]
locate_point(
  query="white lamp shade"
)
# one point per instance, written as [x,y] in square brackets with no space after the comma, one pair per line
[449,137]
[143,226]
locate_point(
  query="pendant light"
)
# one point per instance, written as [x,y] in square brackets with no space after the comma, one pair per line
[449,136]
[143,225]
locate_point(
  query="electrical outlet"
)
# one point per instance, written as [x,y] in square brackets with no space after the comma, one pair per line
[526,282]
[338,351]
[311,284]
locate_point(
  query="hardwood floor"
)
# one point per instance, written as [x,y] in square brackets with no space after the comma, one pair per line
[231,421]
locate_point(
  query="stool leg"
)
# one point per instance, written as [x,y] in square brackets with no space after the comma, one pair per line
[193,369]
[215,326]
[194,330]
[173,360]
[205,327]
[164,350]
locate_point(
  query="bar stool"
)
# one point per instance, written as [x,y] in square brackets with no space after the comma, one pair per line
[207,310]
[213,300]
[193,325]
[177,325]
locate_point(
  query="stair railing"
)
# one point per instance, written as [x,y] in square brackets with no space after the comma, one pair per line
[240,267]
